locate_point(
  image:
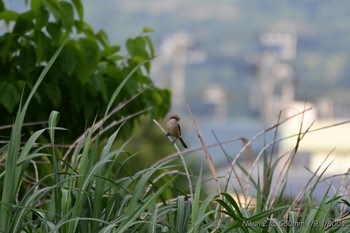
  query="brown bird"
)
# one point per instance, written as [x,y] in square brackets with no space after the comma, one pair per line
[173,129]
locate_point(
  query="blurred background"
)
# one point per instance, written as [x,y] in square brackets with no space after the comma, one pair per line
[238,63]
[241,61]
[222,48]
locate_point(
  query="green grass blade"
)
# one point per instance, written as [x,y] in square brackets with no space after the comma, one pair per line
[203,212]
[11,185]
[182,215]
[293,220]
[122,84]
[275,224]
[133,215]
[195,204]
[154,219]
[309,221]
[57,196]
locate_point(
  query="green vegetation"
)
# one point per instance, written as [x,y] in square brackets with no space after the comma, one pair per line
[82,80]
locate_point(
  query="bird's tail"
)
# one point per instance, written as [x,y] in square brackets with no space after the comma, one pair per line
[183,143]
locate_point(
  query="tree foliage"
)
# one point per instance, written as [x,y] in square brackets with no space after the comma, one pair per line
[84,75]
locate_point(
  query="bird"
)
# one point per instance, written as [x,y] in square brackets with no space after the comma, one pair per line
[173,129]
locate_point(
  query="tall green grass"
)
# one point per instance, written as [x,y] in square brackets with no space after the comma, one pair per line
[87,188]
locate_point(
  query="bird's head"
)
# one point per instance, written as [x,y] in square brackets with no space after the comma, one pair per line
[175,117]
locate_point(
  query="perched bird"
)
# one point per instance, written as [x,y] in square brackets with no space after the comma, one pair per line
[173,129]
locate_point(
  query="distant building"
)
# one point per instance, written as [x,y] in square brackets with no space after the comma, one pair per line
[325,145]
[273,92]
[216,96]
[273,70]
[176,51]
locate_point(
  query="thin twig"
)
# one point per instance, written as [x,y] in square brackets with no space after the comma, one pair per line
[314,174]
[209,161]
[24,124]
[123,119]
[206,151]
[257,136]
[288,164]
[180,154]
[229,160]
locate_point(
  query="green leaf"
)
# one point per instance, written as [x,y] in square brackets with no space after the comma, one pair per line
[233,208]
[9,196]
[42,18]
[293,219]
[24,23]
[100,86]
[54,8]
[8,16]
[275,224]
[27,59]
[53,93]
[102,37]
[162,109]
[53,121]
[9,42]
[9,95]
[43,74]
[79,8]
[69,59]
[42,47]
[85,28]
[121,85]
[2,6]
[88,54]
[110,50]
[54,31]
[150,45]
[147,29]
[137,49]
[35,4]
[67,15]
